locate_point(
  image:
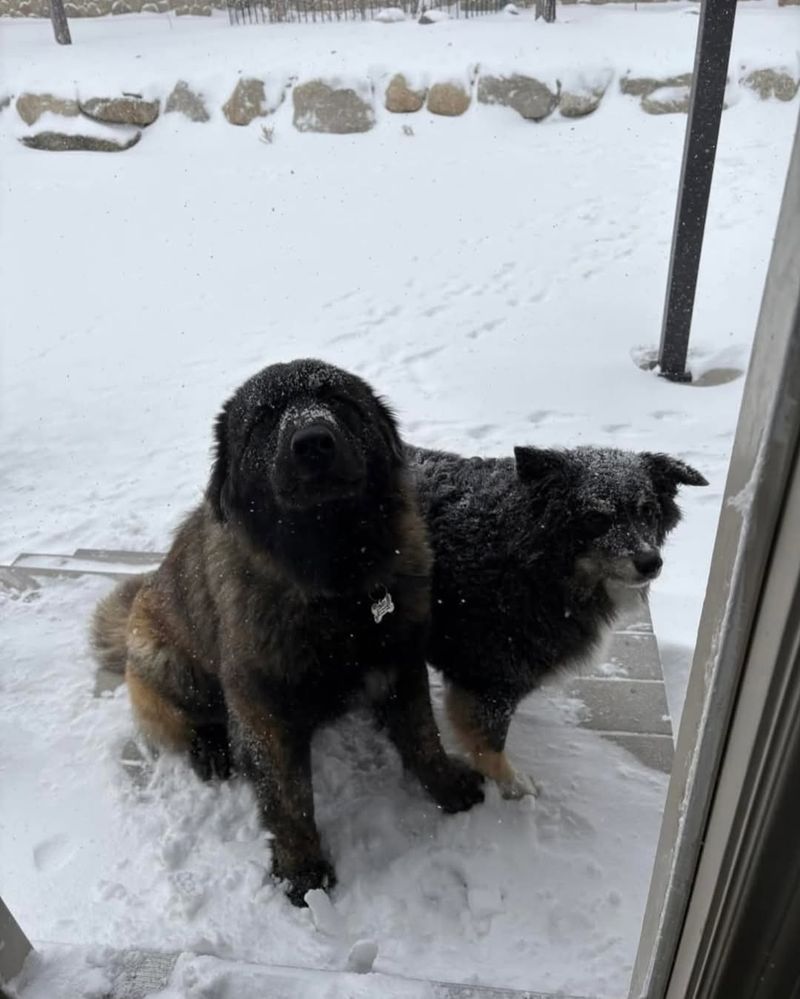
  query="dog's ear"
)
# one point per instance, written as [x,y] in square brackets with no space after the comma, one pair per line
[668,473]
[538,463]
[218,492]
[389,430]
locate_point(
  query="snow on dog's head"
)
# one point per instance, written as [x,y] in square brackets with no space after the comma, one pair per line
[617,506]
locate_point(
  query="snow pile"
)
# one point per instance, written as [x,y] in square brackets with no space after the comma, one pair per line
[434,16]
[390,15]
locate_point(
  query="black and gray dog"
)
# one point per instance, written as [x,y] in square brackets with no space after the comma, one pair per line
[534,559]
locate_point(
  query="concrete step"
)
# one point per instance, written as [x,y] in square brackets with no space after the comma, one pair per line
[143,973]
[624,695]
[86,561]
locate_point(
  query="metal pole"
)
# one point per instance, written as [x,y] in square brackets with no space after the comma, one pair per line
[59,19]
[546,9]
[700,145]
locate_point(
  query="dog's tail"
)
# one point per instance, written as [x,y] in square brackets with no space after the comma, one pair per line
[110,624]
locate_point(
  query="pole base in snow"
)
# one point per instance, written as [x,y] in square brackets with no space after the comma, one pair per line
[682,377]
[647,359]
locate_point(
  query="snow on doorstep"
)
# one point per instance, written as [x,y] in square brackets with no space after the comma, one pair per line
[512,893]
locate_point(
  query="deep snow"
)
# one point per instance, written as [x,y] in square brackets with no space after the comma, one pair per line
[492,278]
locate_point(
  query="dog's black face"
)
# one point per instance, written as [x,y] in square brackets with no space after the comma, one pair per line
[300,446]
[618,506]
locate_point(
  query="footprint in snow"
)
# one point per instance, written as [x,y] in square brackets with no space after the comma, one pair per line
[480,432]
[541,416]
[52,854]
[665,414]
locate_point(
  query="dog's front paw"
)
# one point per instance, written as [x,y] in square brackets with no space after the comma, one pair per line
[518,786]
[456,787]
[315,874]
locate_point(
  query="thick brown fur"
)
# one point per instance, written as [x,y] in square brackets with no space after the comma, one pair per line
[258,626]
[110,625]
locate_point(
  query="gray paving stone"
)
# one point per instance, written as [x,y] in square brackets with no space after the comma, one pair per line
[654,751]
[142,973]
[635,656]
[637,622]
[107,681]
[633,706]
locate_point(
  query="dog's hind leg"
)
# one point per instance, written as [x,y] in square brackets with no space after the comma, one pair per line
[161,721]
[481,727]
[178,705]
[166,724]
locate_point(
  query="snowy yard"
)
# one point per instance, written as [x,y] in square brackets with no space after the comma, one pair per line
[492,278]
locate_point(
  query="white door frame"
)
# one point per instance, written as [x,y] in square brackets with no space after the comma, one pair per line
[733,734]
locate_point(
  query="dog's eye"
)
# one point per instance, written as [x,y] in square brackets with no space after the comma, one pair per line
[349,410]
[263,414]
[649,511]
[347,401]
[263,420]
[596,522]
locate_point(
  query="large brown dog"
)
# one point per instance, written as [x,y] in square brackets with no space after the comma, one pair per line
[301,581]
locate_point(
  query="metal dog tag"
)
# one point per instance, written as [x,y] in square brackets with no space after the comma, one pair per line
[383,605]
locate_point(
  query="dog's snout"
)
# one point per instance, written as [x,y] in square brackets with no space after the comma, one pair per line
[314,446]
[648,564]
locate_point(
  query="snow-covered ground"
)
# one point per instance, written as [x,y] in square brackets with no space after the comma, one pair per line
[492,278]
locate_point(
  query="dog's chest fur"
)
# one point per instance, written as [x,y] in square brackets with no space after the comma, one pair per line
[247,622]
[320,648]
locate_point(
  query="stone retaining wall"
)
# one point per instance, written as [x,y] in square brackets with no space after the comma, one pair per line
[118,122]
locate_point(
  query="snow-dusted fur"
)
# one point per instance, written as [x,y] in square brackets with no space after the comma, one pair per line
[535,558]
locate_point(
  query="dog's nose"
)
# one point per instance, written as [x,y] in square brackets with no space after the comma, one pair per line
[314,446]
[648,565]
